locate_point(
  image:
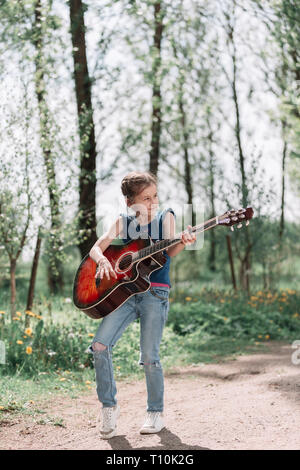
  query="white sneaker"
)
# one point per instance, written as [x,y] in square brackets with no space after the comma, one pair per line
[153,423]
[110,415]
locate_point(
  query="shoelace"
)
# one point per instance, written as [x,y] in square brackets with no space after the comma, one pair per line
[107,415]
[151,417]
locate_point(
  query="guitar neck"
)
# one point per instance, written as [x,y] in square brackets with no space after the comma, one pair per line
[163,244]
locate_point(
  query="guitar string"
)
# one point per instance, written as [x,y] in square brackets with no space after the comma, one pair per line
[153,249]
[162,244]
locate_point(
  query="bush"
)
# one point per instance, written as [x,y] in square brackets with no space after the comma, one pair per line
[197,329]
[263,316]
[44,347]
[48,346]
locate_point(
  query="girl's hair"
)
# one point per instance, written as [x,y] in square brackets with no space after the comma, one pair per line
[135,182]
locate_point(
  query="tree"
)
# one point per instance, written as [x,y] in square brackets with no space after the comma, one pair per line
[229,27]
[55,271]
[16,199]
[83,89]
[156,90]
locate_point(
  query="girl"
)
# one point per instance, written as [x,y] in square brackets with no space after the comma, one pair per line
[151,307]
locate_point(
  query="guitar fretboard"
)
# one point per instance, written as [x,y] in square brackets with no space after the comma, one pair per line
[163,244]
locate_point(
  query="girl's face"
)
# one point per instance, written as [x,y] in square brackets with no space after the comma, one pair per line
[147,200]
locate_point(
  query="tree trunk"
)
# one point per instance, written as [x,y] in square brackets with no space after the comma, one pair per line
[33,277]
[231,261]
[156,95]
[187,166]
[87,179]
[245,263]
[55,267]
[212,250]
[284,152]
[264,275]
[13,290]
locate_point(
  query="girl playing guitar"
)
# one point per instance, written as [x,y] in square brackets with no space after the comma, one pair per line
[151,307]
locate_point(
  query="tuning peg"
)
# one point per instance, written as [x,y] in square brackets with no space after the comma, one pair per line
[241,216]
[239,225]
[232,228]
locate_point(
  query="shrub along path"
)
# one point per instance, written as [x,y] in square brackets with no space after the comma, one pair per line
[251,402]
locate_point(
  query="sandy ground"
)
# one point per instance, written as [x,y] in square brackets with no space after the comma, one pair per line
[252,402]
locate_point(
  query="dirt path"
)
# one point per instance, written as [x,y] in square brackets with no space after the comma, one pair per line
[252,402]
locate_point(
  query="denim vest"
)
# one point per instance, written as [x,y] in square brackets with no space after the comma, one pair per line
[154,230]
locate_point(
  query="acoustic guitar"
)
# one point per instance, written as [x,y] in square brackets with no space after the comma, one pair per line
[133,262]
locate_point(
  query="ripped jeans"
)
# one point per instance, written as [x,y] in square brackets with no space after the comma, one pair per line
[152,310]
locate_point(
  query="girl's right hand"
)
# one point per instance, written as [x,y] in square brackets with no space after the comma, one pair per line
[104,268]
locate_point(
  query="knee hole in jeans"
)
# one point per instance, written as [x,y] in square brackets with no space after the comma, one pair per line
[98,346]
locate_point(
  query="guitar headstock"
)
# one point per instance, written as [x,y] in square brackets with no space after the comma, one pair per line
[234,217]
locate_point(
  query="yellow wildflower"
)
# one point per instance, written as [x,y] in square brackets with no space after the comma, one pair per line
[259,336]
[225,318]
[28,331]
[16,318]
[267,336]
[31,314]
[188,298]
[29,350]
[39,317]
[91,334]
[19,341]
[222,301]
[62,379]
[88,382]
[2,312]
[19,314]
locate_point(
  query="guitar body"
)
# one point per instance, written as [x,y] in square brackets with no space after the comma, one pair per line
[98,299]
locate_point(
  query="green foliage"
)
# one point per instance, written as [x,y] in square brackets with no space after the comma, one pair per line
[197,325]
[265,315]
[43,347]
[63,345]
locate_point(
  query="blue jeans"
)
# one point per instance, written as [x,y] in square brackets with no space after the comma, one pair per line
[152,309]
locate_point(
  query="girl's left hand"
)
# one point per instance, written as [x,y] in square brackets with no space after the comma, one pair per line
[188,238]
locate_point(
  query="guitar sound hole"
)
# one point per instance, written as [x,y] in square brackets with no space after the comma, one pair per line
[125,262]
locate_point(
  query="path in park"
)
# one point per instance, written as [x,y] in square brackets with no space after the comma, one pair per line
[252,402]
